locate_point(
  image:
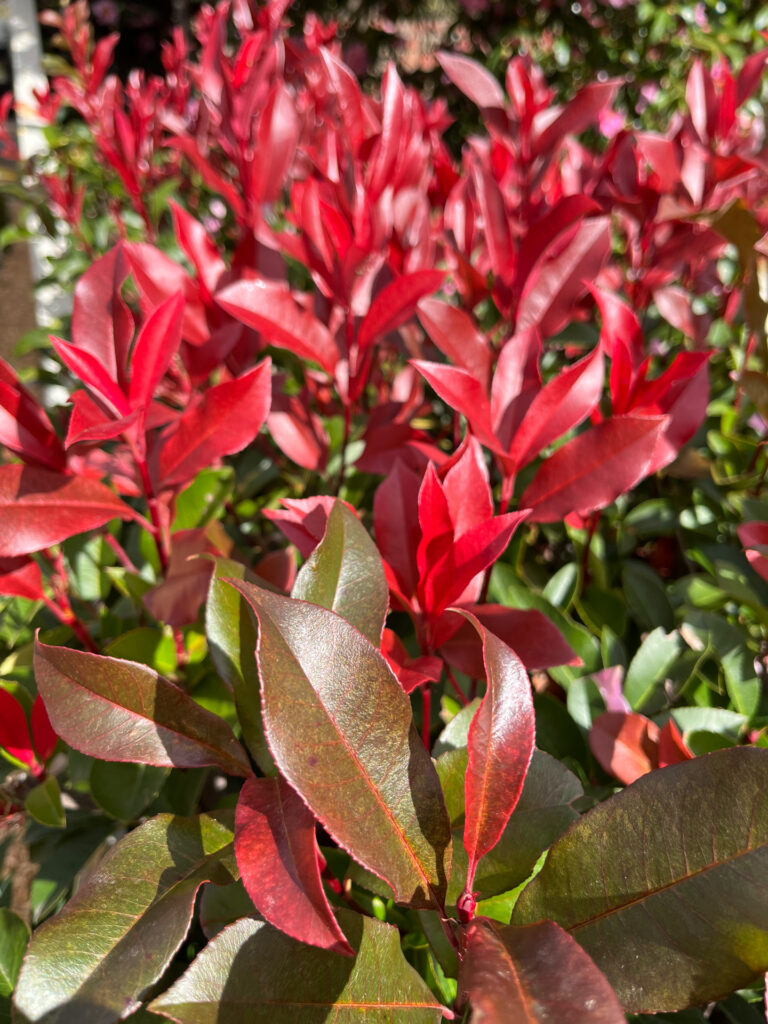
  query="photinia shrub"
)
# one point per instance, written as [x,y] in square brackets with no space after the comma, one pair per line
[486,739]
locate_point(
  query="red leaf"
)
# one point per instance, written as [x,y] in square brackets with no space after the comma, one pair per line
[156,344]
[455,334]
[89,422]
[624,744]
[14,731]
[594,468]
[91,372]
[278,858]
[277,135]
[102,325]
[397,303]
[39,508]
[270,307]
[178,597]
[498,235]
[701,99]
[396,526]
[555,285]
[391,139]
[467,488]
[158,278]
[500,748]
[537,974]
[533,637]
[24,427]
[43,736]
[227,419]
[463,393]
[199,248]
[20,577]
[411,672]
[561,405]
[580,113]
[303,520]
[472,553]
[672,748]
[473,79]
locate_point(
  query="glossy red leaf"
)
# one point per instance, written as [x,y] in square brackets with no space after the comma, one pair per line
[473,552]
[270,307]
[473,79]
[228,418]
[594,468]
[561,405]
[43,735]
[39,508]
[24,427]
[672,748]
[340,729]
[467,487]
[556,284]
[498,232]
[89,422]
[158,278]
[624,744]
[14,731]
[455,334]
[463,393]
[277,134]
[410,672]
[396,526]
[199,248]
[123,711]
[500,748]
[278,858]
[20,577]
[391,138]
[397,303]
[102,325]
[303,520]
[91,372]
[579,113]
[156,344]
[535,973]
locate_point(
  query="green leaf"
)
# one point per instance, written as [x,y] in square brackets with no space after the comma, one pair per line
[340,727]
[703,630]
[649,667]
[664,884]
[44,804]
[14,936]
[455,735]
[344,573]
[94,961]
[231,634]
[123,711]
[124,790]
[148,645]
[252,974]
[646,596]
[200,503]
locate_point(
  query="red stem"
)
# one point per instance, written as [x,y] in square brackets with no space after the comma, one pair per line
[122,554]
[454,683]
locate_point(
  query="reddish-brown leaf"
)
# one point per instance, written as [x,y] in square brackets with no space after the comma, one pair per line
[535,974]
[500,748]
[625,744]
[278,858]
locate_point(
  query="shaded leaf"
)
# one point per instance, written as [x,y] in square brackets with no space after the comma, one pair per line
[675,913]
[252,974]
[341,731]
[83,964]
[44,804]
[536,973]
[39,508]
[14,936]
[123,711]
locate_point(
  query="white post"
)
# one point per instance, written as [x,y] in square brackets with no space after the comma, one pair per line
[26,50]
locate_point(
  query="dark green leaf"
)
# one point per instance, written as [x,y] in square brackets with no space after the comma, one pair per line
[124,790]
[92,963]
[664,884]
[252,974]
[44,804]
[344,573]
[14,936]
[649,667]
